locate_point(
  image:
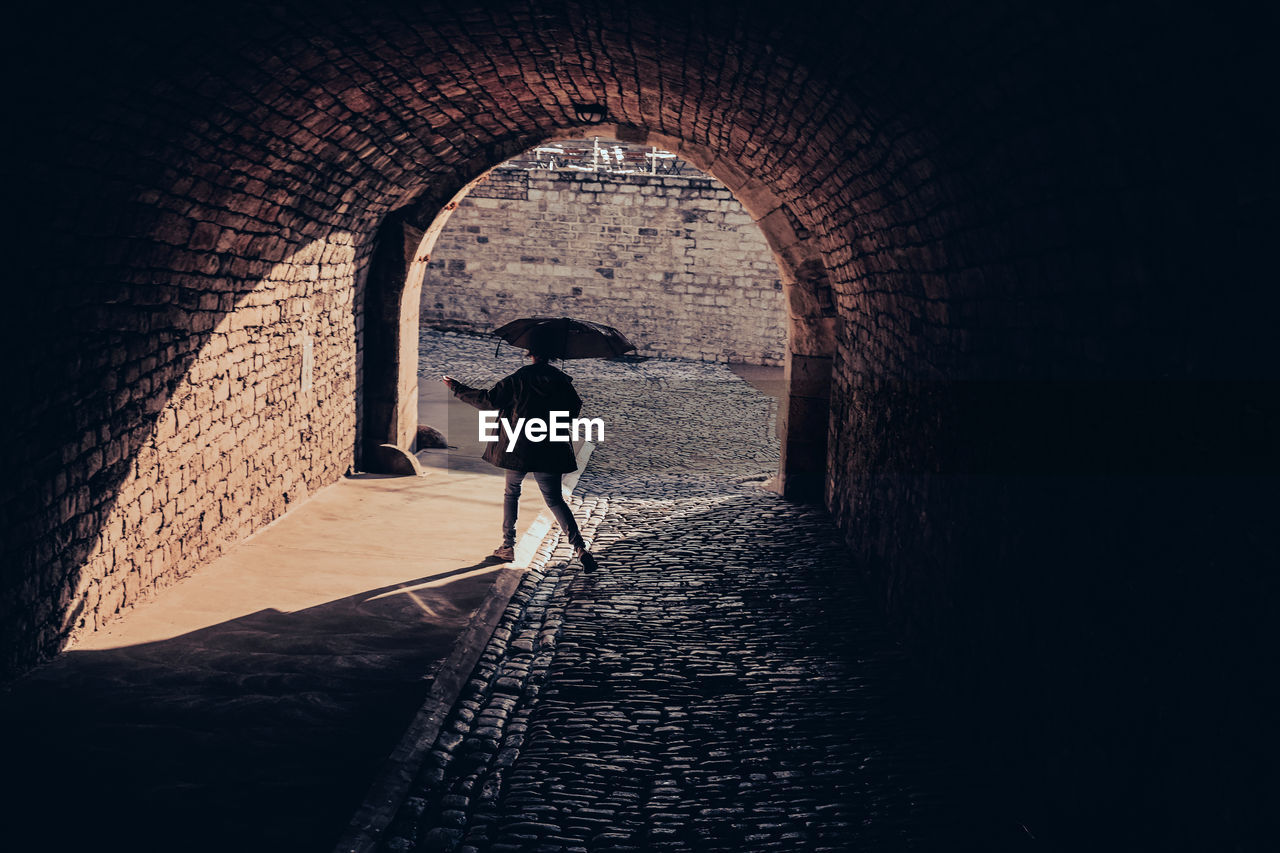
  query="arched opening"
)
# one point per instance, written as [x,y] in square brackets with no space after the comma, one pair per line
[617,230]
[805,279]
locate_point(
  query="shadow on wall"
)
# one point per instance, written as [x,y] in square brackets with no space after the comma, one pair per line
[261,733]
[199,415]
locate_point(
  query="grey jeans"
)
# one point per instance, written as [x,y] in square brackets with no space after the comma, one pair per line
[550,486]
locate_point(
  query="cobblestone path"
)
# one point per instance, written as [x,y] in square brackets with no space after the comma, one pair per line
[719,684]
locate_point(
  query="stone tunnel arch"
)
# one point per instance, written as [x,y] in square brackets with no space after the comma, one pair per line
[1002,198]
[406,239]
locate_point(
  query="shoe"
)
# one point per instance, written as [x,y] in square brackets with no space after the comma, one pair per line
[589,563]
[505,552]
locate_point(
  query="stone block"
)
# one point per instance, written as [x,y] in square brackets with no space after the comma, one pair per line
[390,459]
[429,437]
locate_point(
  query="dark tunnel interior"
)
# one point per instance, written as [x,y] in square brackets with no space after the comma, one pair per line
[1029,245]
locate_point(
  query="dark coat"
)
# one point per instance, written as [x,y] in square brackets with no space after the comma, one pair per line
[533,391]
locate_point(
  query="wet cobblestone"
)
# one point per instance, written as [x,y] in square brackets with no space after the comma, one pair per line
[719,684]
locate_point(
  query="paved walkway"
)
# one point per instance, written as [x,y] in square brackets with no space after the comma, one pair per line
[720,684]
[249,706]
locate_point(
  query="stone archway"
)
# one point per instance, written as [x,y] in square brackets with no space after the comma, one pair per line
[1001,199]
[407,238]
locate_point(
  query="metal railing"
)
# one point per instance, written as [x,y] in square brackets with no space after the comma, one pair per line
[610,158]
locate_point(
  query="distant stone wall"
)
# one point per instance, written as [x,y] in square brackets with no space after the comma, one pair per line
[674,262]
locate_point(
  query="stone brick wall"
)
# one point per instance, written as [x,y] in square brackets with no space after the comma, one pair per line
[674,262]
[995,192]
[213,412]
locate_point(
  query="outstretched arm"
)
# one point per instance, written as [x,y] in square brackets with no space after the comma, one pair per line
[493,399]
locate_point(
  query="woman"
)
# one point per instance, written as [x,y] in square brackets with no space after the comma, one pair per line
[534,391]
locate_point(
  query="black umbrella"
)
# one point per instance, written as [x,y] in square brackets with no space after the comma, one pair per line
[565,337]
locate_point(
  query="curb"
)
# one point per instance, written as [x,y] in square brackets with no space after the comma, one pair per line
[394,779]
